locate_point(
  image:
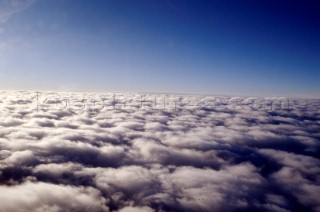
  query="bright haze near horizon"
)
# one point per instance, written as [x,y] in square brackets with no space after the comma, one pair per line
[214,47]
[183,106]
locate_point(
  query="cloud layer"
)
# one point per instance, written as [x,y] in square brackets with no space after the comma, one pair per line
[100,152]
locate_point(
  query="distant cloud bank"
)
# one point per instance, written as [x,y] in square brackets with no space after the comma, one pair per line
[142,158]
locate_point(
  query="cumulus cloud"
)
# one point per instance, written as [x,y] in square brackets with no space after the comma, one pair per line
[156,152]
[136,209]
[39,196]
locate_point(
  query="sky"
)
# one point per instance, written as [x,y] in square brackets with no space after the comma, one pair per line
[212,47]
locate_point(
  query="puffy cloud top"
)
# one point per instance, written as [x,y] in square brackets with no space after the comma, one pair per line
[157,152]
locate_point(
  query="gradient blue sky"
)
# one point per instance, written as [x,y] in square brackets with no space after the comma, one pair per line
[216,47]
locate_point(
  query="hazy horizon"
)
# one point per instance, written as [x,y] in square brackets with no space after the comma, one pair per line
[159,105]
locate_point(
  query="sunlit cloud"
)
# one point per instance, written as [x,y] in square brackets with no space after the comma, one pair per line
[147,159]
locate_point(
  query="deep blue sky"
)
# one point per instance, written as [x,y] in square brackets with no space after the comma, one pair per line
[217,47]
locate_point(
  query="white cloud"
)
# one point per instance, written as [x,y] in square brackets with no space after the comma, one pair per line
[136,209]
[131,158]
[38,196]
